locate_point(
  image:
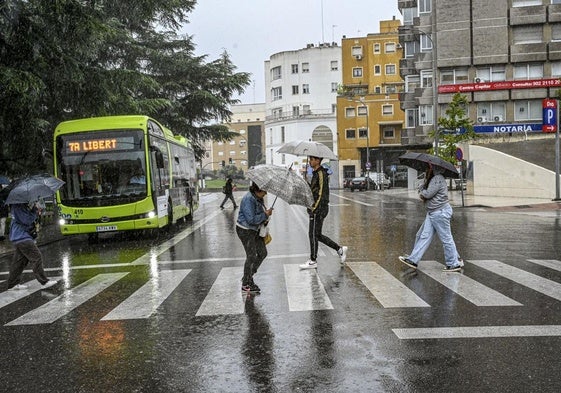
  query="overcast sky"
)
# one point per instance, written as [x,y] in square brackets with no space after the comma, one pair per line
[253,30]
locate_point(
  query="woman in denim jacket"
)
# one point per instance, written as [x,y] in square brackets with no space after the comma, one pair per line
[252,214]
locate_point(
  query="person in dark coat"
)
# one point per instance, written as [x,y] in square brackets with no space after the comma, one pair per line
[318,212]
[22,235]
[229,193]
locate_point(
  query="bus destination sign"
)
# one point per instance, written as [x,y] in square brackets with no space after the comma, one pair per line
[105,144]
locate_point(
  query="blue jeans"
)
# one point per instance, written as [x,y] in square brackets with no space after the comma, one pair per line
[437,222]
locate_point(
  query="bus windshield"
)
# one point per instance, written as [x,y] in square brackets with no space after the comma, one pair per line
[102,168]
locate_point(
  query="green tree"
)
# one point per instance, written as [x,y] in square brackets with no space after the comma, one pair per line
[66,59]
[454,128]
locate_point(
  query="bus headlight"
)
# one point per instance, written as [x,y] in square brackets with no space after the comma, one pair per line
[151,214]
[62,221]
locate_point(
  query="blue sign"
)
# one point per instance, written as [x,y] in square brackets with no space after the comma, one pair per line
[549,115]
[502,128]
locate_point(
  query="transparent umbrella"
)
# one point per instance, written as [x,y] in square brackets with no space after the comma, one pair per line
[283,183]
[31,188]
[307,148]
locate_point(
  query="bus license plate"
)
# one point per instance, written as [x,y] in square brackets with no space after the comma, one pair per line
[106,228]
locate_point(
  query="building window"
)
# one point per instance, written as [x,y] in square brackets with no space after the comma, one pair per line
[306,109]
[390,69]
[377,90]
[350,134]
[357,72]
[425,114]
[282,135]
[362,110]
[362,133]
[276,73]
[305,67]
[387,110]
[491,74]
[411,116]
[334,86]
[408,15]
[277,113]
[524,3]
[295,111]
[452,77]
[426,78]
[350,112]
[411,47]
[556,31]
[527,34]
[528,71]
[391,89]
[276,92]
[424,6]
[377,69]
[376,48]
[232,152]
[356,51]
[490,112]
[333,108]
[294,68]
[528,110]
[556,67]
[555,1]
[390,47]
[305,88]
[389,132]
[294,89]
[411,83]
[426,43]
[232,142]
[334,65]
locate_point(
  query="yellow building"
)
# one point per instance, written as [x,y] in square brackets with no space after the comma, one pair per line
[369,117]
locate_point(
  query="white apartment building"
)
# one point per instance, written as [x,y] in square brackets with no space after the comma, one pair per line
[300,103]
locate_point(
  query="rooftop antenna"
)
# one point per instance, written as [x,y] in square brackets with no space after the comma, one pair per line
[322,32]
[333,33]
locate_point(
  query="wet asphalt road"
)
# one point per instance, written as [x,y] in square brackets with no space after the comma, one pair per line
[165,314]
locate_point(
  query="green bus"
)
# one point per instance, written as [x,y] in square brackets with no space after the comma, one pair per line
[122,173]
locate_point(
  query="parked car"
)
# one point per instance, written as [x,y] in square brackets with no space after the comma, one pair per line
[347,182]
[359,183]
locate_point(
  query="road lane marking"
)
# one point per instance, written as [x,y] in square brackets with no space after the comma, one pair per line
[153,254]
[550,263]
[478,332]
[353,200]
[387,289]
[146,300]
[542,285]
[466,287]
[225,295]
[68,301]
[304,290]
[8,297]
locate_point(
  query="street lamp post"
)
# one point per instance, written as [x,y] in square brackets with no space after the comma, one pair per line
[367,165]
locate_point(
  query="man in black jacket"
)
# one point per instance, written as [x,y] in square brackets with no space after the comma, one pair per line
[318,212]
[229,193]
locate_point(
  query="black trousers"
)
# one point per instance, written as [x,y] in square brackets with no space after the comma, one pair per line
[315,235]
[24,252]
[255,251]
[230,197]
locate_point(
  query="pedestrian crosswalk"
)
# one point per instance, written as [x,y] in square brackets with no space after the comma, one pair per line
[305,291]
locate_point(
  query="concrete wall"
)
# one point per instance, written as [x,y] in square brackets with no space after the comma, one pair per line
[498,174]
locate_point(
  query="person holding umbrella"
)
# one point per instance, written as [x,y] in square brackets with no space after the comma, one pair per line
[252,214]
[22,235]
[434,194]
[317,213]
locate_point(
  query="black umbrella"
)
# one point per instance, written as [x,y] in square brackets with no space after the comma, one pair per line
[421,161]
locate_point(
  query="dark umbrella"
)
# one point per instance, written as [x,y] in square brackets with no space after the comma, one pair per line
[31,188]
[421,161]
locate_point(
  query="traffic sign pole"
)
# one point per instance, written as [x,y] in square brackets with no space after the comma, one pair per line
[557,158]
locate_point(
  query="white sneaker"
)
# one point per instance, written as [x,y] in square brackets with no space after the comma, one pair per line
[18,287]
[309,265]
[48,284]
[461,262]
[343,254]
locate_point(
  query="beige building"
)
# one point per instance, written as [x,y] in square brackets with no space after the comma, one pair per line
[247,149]
[369,116]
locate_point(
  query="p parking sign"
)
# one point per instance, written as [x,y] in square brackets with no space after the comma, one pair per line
[549,108]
